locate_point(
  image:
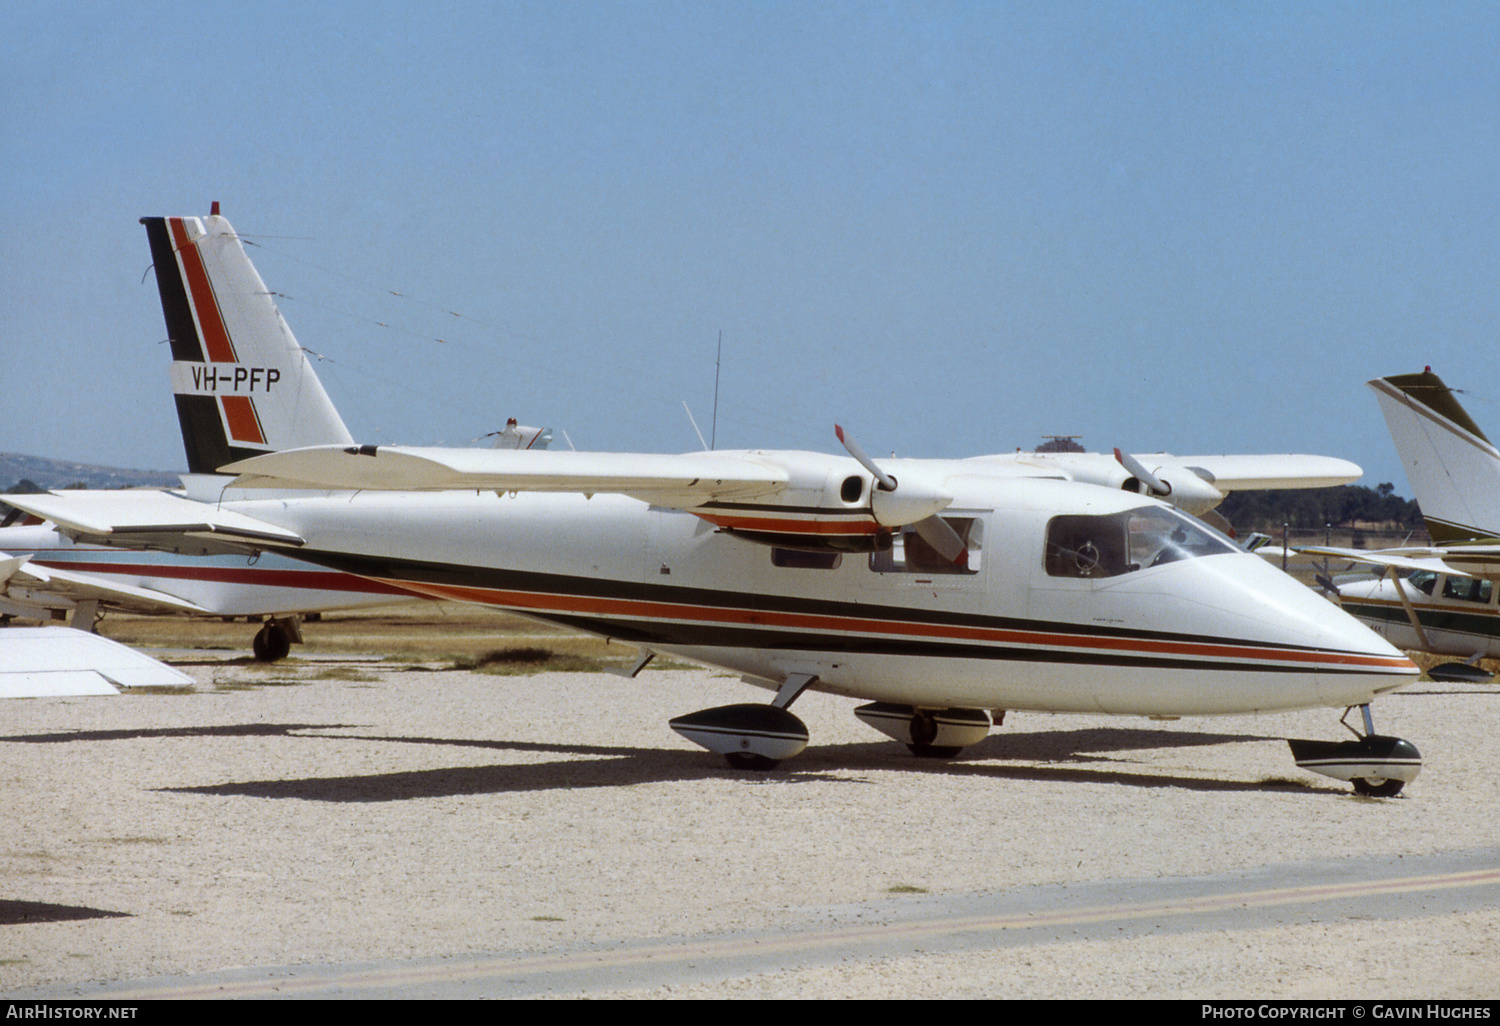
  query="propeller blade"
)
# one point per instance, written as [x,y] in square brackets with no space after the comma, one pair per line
[885,480]
[1141,474]
[945,541]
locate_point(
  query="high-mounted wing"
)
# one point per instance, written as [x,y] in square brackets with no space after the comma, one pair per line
[802,499]
[1392,559]
[1455,560]
[669,480]
[1194,484]
[1261,472]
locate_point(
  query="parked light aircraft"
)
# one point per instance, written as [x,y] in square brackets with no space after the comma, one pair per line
[941,592]
[1440,598]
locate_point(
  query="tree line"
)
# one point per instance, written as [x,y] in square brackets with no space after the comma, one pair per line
[1378,508]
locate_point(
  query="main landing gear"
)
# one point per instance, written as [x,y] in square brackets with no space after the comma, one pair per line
[275,638]
[751,736]
[928,733]
[759,737]
[1376,765]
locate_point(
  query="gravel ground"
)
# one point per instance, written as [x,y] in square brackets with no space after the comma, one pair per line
[328,813]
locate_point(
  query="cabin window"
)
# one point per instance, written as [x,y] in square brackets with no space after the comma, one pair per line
[1467,589]
[1423,580]
[806,559]
[910,553]
[1119,543]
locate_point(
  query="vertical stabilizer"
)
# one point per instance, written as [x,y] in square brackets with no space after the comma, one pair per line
[243,386]
[1451,466]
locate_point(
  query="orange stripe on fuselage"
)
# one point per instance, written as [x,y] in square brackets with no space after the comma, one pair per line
[216,344]
[548,603]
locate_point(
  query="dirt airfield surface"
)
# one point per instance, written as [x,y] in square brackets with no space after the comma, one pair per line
[338,826]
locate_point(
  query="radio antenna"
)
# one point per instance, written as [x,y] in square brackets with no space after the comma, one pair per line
[713,429]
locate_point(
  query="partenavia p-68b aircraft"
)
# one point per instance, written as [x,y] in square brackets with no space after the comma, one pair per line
[1440,598]
[941,592]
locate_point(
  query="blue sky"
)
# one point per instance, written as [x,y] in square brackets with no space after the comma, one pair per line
[952,227]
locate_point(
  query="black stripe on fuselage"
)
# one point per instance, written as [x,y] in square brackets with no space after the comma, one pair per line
[714,634]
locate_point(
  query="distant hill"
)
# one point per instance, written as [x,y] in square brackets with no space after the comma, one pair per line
[16,470]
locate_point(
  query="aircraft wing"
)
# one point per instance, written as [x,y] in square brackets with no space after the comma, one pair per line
[42,662]
[671,480]
[1286,470]
[28,585]
[151,519]
[1397,559]
[1457,560]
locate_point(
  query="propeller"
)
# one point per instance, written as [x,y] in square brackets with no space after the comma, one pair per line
[1141,474]
[893,506]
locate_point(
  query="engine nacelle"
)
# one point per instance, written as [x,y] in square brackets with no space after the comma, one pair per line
[915,498]
[1185,489]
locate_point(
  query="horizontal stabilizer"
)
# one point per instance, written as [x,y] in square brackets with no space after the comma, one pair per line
[27,583]
[150,519]
[672,480]
[41,662]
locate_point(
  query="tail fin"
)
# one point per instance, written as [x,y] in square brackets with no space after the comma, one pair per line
[242,384]
[1450,464]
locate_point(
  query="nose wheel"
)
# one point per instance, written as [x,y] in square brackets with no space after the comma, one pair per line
[1375,765]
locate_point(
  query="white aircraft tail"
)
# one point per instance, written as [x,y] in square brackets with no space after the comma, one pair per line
[243,385]
[1451,466]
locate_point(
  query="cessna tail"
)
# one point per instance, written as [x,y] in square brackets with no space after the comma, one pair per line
[1453,469]
[1443,598]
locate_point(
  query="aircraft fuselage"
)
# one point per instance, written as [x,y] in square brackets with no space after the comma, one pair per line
[1074,598]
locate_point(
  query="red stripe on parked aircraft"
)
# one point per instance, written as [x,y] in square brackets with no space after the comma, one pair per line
[306,580]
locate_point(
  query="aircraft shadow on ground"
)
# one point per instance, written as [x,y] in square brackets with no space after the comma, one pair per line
[139,733]
[15,912]
[1001,757]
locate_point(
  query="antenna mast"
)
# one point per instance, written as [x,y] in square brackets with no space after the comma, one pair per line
[713,429]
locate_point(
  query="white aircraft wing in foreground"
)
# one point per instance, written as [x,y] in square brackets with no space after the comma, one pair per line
[49,662]
[940,593]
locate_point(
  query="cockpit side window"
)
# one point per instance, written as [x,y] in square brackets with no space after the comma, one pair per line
[1080,546]
[1119,543]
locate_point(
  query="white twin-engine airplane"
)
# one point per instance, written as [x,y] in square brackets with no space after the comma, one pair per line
[1440,598]
[941,592]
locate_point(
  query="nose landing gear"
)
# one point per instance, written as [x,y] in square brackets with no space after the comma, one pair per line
[1376,765]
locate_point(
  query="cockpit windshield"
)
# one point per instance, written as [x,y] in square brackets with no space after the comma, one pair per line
[1119,543]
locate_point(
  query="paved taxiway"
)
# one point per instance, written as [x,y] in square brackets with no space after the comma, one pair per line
[347,830]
